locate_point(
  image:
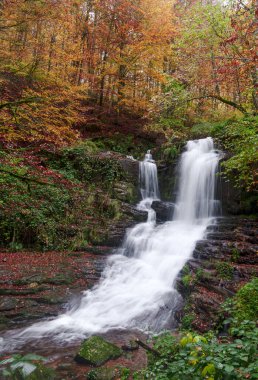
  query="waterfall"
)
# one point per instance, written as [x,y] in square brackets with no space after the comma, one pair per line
[149,178]
[137,287]
[198,167]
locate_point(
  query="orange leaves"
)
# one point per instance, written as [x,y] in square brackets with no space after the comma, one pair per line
[48,121]
[113,47]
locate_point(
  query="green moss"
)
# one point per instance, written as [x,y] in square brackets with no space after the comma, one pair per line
[97,351]
[225,270]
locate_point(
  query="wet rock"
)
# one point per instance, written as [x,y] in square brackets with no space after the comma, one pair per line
[167,180]
[3,322]
[235,201]
[226,259]
[164,210]
[52,300]
[7,304]
[41,372]
[60,279]
[97,351]
[135,215]
[131,167]
[117,229]
[115,236]
[22,292]
[37,278]
[28,303]
[99,250]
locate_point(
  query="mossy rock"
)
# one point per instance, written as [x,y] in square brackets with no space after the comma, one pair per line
[97,351]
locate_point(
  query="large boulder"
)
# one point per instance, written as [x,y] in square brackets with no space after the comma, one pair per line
[164,210]
[96,351]
[117,229]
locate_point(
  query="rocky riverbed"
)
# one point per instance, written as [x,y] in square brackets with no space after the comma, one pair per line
[36,286]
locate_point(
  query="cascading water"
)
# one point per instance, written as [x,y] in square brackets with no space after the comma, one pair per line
[197,181]
[137,285]
[149,178]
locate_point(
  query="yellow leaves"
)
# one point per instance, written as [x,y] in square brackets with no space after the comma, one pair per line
[210,371]
[186,339]
[113,49]
[189,338]
[49,121]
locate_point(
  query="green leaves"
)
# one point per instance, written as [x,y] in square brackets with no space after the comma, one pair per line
[25,367]
[240,138]
[204,357]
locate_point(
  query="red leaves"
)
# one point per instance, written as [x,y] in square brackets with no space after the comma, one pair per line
[31,165]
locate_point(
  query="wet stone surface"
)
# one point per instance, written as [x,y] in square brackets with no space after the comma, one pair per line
[221,264]
[37,285]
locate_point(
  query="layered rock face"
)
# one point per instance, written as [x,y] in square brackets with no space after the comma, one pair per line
[221,264]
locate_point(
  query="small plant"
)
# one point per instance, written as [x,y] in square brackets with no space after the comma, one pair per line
[187,320]
[247,301]
[225,270]
[171,152]
[235,255]
[202,275]
[15,247]
[186,280]
[28,367]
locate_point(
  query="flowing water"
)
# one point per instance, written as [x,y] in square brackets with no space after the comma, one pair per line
[137,287]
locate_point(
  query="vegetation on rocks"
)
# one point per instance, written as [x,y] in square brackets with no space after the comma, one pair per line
[43,193]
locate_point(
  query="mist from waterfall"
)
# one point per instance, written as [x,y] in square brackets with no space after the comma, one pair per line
[136,289]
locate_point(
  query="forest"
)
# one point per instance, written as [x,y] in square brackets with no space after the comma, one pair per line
[87,87]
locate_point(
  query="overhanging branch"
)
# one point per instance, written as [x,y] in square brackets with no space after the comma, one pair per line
[223,100]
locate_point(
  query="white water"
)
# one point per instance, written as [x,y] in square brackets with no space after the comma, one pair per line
[137,286]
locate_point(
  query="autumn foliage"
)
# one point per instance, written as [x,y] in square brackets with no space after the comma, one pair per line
[68,67]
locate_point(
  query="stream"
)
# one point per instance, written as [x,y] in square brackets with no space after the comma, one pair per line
[137,286]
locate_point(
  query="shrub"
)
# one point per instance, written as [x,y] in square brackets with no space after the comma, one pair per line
[196,357]
[247,301]
[28,367]
[240,138]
